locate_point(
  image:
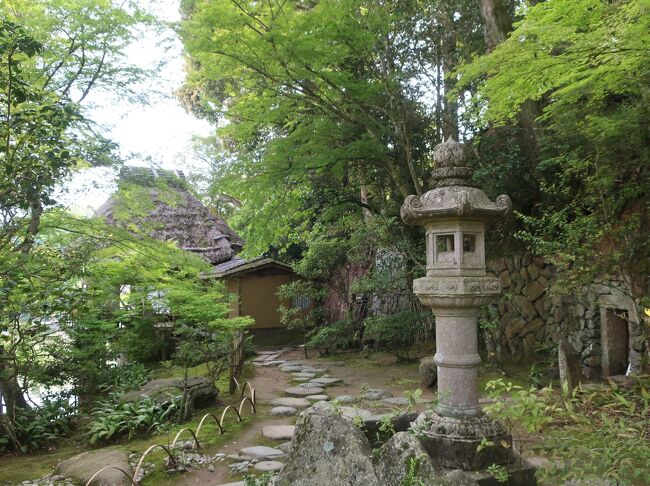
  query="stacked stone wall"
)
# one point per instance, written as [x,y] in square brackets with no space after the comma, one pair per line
[527,313]
[531,318]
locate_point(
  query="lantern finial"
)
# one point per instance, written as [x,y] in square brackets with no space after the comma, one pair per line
[450,166]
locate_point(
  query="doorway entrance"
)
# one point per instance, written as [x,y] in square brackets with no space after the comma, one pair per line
[615,335]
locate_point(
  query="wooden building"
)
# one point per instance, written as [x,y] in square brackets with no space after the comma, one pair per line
[179,217]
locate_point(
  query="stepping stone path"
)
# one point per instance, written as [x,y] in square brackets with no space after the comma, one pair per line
[291,368]
[317,398]
[303,375]
[278,432]
[267,357]
[290,402]
[261,452]
[307,393]
[375,394]
[270,363]
[268,466]
[346,399]
[303,391]
[282,411]
[323,381]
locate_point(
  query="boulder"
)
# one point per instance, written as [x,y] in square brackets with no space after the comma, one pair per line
[401,455]
[81,467]
[201,391]
[327,449]
[400,423]
[428,372]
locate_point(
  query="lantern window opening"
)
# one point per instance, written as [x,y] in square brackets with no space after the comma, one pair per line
[445,243]
[469,243]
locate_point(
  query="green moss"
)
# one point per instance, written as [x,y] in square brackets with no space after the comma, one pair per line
[15,469]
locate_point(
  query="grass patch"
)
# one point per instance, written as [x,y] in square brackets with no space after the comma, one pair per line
[18,468]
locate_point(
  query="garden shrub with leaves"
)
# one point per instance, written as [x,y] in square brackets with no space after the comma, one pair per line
[600,432]
[39,427]
[396,332]
[116,419]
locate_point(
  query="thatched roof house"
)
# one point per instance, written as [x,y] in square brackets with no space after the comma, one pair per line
[173,214]
[168,211]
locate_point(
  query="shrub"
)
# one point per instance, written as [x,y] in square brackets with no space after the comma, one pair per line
[42,426]
[130,376]
[114,419]
[590,433]
[396,332]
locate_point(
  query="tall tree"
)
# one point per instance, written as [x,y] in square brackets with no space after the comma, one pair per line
[587,62]
[53,55]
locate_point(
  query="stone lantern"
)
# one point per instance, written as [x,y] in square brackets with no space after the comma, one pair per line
[454,214]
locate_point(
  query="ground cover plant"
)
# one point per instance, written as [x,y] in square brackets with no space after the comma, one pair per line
[597,431]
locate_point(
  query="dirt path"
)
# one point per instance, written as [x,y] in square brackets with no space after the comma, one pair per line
[358,373]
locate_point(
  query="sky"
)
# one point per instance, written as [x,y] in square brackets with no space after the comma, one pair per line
[161,131]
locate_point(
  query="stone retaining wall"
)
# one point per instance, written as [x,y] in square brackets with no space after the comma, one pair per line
[531,318]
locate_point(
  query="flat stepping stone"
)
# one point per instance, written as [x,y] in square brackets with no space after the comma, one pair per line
[313,370]
[300,378]
[346,399]
[317,398]
[323,381]
[268,363]
[303,375]
[290,402]
[395,401]
[268,466]
[352,412]
[375,394]
[278,432]
[303,391]
[291,368]
[261,452]
[236,483]
[283,411]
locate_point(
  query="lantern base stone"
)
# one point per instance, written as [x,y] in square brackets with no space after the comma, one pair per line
[453,442]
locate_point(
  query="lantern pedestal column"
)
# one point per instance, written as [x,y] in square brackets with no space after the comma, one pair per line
[452,432]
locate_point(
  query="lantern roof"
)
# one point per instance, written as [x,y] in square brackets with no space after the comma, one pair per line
[453,196]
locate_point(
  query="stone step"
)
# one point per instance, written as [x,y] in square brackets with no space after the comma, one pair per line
[260,452]
[278,432]
[303,391]
[268,466]
[290,402]
[283,411]
[317,398]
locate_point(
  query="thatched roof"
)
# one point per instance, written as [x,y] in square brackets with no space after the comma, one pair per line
[176,215]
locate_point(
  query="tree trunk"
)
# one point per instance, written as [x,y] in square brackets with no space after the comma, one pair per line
[496,22]
[449,63]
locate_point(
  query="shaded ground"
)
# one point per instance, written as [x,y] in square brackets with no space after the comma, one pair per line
[379,370]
